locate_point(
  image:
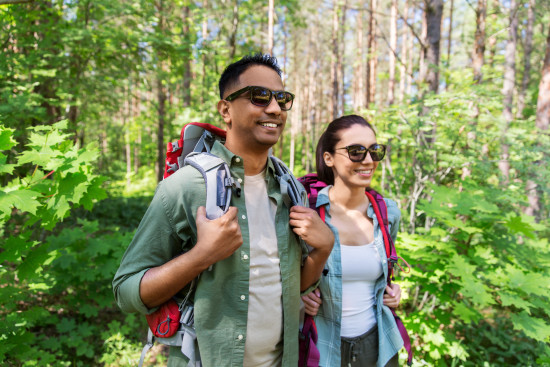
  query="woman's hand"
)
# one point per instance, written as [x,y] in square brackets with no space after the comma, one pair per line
[392,295]
[312,301]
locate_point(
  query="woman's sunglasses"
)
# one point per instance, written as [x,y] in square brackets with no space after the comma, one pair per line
[357,152]
[261,96]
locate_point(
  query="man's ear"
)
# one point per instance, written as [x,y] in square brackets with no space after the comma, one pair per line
[327,157]
[223,109]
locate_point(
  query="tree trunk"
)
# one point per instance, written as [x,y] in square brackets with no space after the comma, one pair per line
[433,13]
[527,49]
[186,93]
[479,43]
[270,14]
[335,62]
[410,62]
[508,90]
[358,64]
[543,101]
[422,69]
[372,57]
[392,51]
[492,41]
[450,35]
[161,98]
[341,61]
[234,29]
[404,57]
[542,122]
[204,35]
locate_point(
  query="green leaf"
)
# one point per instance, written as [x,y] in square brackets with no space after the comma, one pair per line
[32,264]
[517,225]
[6,139]
[533,327]
[24,200]
[510,299]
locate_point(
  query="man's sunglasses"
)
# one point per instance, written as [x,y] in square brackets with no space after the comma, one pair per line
[357,152]
[261,96]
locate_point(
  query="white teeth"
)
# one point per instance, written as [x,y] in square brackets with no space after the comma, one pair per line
[267,124]
[365,172]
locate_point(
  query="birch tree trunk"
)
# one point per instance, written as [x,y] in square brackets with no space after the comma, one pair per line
[527,50]
[479,43]
[508,90]
[543,102]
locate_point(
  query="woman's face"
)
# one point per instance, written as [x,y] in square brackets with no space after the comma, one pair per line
[352,174]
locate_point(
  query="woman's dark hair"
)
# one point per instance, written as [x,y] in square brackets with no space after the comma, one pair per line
[329,139]
[232,72]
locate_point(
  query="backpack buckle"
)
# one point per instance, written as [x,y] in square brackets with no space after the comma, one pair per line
[175,146]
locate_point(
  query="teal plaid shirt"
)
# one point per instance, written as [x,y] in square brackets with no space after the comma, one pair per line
[328,320]
[221,298]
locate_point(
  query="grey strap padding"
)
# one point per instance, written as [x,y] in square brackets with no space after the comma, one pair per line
[148,345]
[216,176]
[293,193]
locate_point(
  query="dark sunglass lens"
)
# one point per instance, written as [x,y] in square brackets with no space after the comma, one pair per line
[284,99]
[260,96]
[377,152]
[357,153]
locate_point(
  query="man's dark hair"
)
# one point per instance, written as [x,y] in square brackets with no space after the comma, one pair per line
[232,73]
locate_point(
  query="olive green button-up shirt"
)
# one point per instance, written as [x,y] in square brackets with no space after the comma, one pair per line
[221,297]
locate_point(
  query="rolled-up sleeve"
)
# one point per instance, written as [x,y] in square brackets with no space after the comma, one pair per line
[155,242]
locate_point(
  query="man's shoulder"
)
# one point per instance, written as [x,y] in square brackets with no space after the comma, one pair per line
[185,180]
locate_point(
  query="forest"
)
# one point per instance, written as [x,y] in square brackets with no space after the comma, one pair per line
[92,91]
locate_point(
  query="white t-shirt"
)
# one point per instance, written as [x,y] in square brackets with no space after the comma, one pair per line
[264,342]
[361,267]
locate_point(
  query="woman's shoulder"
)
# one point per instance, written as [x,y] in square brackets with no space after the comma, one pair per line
[393,209]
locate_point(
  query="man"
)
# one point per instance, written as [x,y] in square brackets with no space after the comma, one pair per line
[247,305]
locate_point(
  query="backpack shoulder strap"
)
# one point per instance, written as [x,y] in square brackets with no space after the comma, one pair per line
[292,191]
[217,179]
[381,211]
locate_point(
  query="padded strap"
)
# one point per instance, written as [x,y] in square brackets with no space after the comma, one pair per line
[213,169]
[146,347]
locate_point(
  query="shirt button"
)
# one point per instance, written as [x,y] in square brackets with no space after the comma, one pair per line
[240,180]
[238,160]
[244,216]
[243,297]
[240,337]
[245,257]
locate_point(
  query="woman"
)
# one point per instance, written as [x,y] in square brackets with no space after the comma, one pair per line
[355,325]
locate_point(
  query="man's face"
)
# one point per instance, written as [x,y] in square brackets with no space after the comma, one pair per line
[251,127]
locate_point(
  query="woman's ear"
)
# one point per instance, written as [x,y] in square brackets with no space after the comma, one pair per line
[327,157]
[223,109]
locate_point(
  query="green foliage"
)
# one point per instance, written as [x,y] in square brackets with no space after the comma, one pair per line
[479,285]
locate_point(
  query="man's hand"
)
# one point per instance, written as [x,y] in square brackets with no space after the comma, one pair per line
[307,224]
[312,301]
[218,238]
[392,295]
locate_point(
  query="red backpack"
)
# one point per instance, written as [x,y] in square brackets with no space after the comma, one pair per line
[313,185]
